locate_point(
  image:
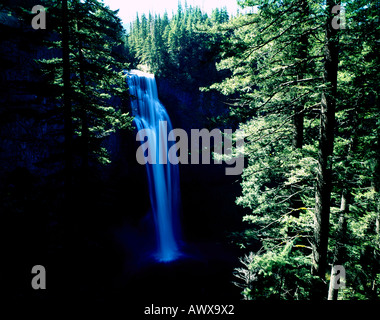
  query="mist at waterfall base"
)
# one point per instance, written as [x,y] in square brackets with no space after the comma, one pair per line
[163,179]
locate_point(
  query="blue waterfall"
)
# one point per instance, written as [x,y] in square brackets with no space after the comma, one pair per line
[163,179]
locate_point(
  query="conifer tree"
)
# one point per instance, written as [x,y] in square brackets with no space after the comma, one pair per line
[93,67]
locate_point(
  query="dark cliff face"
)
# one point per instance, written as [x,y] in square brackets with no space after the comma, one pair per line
[30,145]
[31,115]
[189,107]
[208,195]
[28,136]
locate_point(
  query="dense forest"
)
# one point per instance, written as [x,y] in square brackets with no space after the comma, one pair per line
[309,105]
[299,79]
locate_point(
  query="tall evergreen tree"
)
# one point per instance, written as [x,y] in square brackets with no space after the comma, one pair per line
[93,68]
[325,150]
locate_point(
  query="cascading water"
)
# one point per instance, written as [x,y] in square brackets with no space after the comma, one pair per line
[163,179]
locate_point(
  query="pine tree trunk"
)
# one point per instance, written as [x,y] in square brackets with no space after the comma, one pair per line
[298,117]
[68,148]
[84,122]
[84,139]
[298,123]
[326,143]
[341,240]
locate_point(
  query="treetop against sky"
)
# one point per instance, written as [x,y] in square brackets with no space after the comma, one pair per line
[129,9]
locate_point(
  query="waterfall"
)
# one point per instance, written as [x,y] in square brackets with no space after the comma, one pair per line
[163,179]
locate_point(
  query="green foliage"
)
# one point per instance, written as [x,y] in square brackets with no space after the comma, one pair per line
[99,94]
[177,48]
[275,58]
[279,274]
